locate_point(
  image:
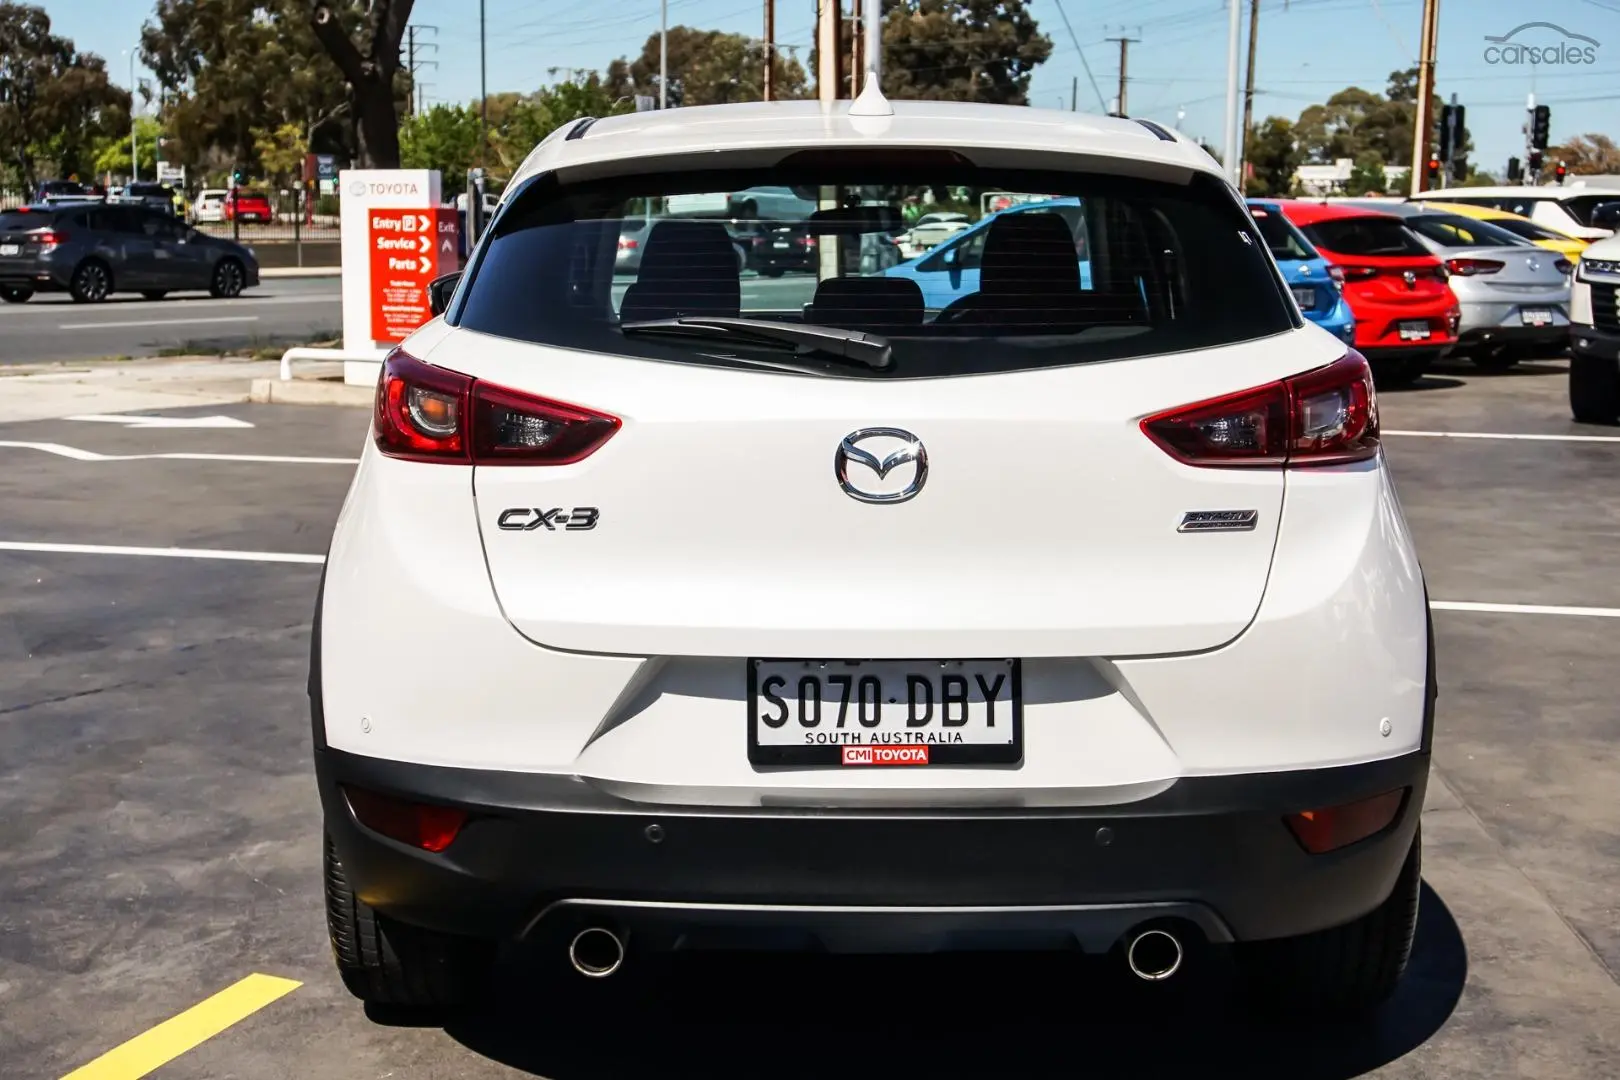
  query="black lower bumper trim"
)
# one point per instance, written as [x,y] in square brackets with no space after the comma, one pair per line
[1213,849]
[1592,342]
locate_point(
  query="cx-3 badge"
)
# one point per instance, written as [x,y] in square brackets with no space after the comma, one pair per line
[880,440]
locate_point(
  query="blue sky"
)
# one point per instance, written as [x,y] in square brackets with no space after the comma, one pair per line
[1308,49]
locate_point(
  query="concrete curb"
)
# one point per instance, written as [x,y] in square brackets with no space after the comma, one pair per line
[310,392]
[269,273]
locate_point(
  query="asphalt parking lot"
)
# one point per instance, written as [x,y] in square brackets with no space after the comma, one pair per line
[160,833]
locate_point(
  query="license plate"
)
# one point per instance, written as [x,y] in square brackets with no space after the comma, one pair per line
[782,244]
[1306,298]
[1536,316]
[10,249]
[1414,330]
[885,712]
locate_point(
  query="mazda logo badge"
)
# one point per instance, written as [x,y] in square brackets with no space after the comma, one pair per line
[873,489]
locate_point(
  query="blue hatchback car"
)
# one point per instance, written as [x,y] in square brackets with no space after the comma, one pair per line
[950,270]
[1317,292]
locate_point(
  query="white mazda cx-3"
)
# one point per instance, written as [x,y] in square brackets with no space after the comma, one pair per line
[1049,591]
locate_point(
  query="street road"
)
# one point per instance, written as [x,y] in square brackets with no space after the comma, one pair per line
[52,327]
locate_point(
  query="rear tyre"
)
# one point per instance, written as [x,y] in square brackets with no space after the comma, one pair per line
[1594,390]
[228,281]
[383,962]
[91,282]
[1343,970]
[154,294]
[12,294]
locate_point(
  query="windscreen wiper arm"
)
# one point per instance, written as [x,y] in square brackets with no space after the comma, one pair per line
[832,341]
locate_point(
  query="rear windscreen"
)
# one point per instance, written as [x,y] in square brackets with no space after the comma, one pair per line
[1084,267]
[15,222]
[1285,241]
[1365,236]
[1454,230]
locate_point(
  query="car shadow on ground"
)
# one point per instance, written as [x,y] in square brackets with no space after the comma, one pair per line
[1426,382]
[1025,1015]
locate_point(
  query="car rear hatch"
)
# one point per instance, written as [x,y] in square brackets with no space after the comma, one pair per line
[1048,523]
[22,239]
[1519,274]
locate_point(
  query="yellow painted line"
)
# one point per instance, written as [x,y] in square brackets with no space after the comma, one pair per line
[162,1044]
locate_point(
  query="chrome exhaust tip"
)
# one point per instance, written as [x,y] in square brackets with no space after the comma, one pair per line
[596,952]
[1154,955]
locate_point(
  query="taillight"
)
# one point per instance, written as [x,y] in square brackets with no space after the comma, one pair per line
[1337,274]
[1472,267]
[428,413]
[1355,273]
[627,243]
[50,238]
[1564,266]
[1324,417]
[810,242]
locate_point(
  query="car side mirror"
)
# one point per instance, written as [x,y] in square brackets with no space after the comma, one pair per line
[1606,215]
[440,290]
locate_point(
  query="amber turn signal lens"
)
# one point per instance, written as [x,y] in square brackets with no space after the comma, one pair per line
[1334,827]
[420,825]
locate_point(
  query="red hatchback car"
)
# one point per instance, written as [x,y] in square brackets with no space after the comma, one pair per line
[1406,314]
[247,206]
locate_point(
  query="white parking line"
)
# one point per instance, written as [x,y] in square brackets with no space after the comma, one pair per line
[90,455]
[165,553]
[1524,609]
[155,322]
[1502,435]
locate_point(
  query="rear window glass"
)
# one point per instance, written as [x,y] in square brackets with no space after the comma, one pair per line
[1365,236]
[1454,230]
[1093,268]
[1527,230]
[1581,206]
[15,222]
[1284,240]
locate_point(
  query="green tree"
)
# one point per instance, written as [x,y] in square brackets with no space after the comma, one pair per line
[525,120]
[281,153]
[1273,155]
[112,150]
[445,137]
[363,39]
[1588,155]
[1367,176]
[960,50]
[56,103]
[708,67]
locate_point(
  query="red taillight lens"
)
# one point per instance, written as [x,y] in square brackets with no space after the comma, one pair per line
[1356,273]
[628,244]
[1471,267]
[513,428]
[421,825]
[1564,266]
[427,413]
[809,241]
[1337,274]
[1324,417]
[50,237]
[1321,831]
[421,411]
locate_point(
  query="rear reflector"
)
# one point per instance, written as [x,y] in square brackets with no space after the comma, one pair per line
[428,413]
[421,825]
[1334,827]
[1324,417]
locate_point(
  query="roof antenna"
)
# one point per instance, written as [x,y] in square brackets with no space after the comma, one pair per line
[871,101]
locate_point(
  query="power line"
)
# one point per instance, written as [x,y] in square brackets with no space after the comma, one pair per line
[1125,43]
[1103,105]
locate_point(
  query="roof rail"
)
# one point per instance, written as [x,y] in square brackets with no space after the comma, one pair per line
[580,128]
[1157,130]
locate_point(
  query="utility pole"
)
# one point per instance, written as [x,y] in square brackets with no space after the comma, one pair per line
[855,50]
[1248,88]
[1124,58]
[483,96]
[770,51]
[1234,150]
[412,63]
[1074,94]
[1424,119]
[827,50]
[663,54]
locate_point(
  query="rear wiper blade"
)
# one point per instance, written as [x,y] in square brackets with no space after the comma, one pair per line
[833,341]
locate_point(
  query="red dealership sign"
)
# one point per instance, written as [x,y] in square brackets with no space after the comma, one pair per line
[404,259]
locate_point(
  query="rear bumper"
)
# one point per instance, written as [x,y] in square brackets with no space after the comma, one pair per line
[541,850]
[1512,335]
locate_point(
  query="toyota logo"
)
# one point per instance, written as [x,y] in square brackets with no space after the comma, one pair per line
[871,482]
[357,188]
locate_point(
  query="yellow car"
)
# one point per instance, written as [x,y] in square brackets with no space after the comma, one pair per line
[1568,246]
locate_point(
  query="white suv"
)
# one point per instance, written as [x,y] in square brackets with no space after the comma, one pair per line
[692,608]
[1594,335]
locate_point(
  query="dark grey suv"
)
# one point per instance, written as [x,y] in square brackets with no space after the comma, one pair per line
[92,250]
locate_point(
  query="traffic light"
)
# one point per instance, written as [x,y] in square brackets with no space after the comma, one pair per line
[1559,172]
[1515,170]
[1540,124]
[1448,127]
[1434,169]
[1535,164]
[236,178]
